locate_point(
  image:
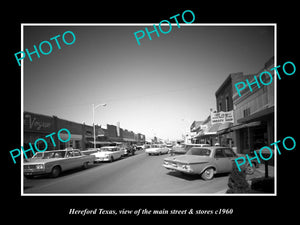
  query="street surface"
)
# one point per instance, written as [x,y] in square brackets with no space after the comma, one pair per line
[138,174]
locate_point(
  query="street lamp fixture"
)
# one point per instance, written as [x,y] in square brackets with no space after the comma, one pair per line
[94,131]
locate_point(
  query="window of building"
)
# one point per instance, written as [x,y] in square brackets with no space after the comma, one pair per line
[227,104]
[246,112]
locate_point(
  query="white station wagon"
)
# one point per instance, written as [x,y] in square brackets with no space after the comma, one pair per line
[157,149]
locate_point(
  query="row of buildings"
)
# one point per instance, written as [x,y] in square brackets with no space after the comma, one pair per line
[250,123]
[82,136]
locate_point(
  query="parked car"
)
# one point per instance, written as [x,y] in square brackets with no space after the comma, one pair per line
[108,153]
[90,151]
[169,146]
[183,148]
[140,147]
[157,149]
[129,150]
[205,161]
[56,161]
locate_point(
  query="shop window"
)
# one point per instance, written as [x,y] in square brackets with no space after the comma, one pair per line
[62,145]
[77,144]
[41,145]
[244,141]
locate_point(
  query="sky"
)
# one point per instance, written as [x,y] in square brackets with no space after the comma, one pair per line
[157,88]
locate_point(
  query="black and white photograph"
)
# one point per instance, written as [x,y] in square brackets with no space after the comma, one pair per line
[132,112]
[159,116]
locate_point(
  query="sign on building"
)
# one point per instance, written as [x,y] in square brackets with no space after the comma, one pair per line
[221,117]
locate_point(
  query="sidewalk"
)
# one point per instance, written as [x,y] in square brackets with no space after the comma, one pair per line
[260,172]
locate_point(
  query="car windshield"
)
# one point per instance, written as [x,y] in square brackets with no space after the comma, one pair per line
[49,155]
[199,151]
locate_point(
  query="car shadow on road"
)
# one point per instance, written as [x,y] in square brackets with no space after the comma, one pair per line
[192,177]
[184,176]
[63,173]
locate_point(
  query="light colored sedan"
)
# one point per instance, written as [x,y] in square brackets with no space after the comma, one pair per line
[108,153]
[205,161]
[56,161]
[157,149]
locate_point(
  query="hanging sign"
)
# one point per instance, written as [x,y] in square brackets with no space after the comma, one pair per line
[221,117]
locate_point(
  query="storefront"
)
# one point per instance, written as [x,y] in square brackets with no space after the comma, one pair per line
[255,131]
[37,126]
[75,141]
[208,133]
[254,114]
[82,136]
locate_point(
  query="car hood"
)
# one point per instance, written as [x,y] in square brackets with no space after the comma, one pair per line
[188,159]
[40,161]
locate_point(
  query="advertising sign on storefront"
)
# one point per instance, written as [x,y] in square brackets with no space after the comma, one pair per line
[36,122]
[222,117]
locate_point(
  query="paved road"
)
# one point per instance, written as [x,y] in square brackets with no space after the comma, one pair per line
[139,174]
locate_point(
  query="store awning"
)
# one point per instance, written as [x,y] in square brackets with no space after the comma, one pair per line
[101,142]
[224,128]
[199,134]
[129,139]
[245,125]
[212,130]
[115,139]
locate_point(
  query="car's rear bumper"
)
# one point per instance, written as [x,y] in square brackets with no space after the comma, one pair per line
[170,167]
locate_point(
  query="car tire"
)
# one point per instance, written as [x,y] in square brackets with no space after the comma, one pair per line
[55,172]
[85,165]
[208,174]
[111,159]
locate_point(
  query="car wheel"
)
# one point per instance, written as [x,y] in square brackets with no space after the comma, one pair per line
[208,174]
[55,171]
[111,159]
[85,165]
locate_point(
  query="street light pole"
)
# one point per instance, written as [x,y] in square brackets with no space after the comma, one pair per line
[94,131]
